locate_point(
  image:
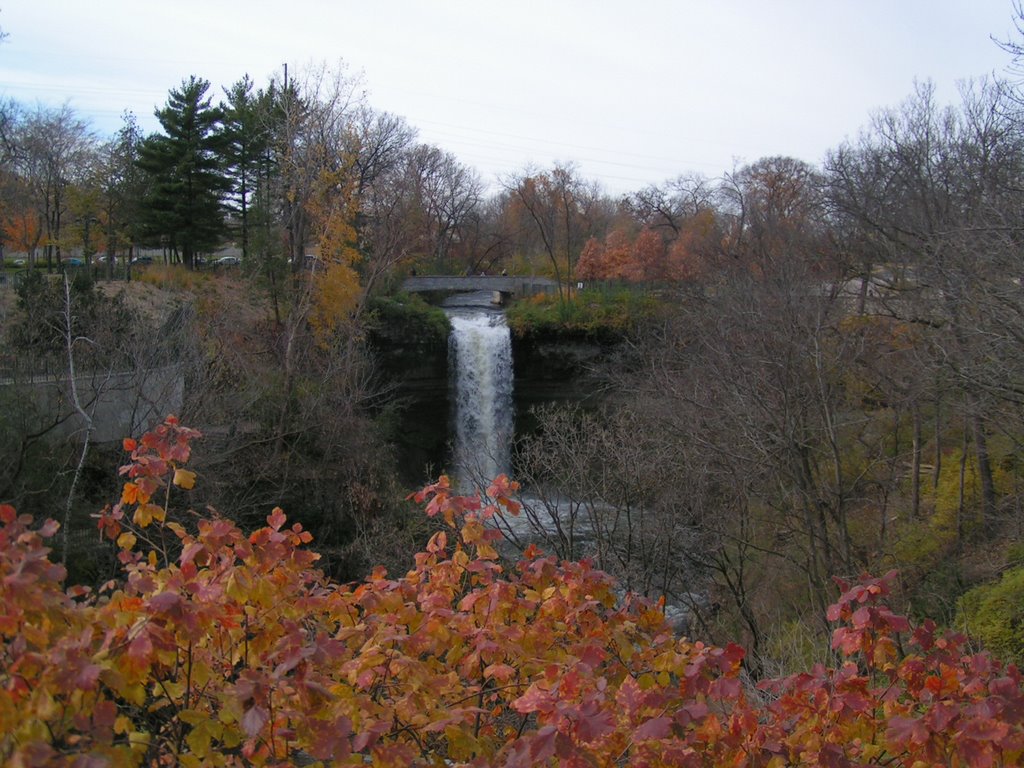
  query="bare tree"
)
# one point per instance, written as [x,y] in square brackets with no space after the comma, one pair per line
[445,193]
[938,189]
[487,237]
[596,489]
[380,142]
[53,147]
[669,205]
[312,118]
[556,207]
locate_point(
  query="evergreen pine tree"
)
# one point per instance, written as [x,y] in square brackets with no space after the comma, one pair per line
[184,207]
[246,139]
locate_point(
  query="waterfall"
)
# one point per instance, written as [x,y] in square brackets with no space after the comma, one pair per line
[480,361]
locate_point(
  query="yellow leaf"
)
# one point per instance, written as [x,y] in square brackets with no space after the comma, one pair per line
[486,551]
[239,585]
[200,737]
[135,693]
[147,513]
[193,716]
[126,540]
[184,479]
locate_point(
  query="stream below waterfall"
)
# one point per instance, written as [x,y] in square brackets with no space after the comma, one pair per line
[481,380]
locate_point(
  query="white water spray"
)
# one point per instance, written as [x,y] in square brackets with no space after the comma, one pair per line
[480,359]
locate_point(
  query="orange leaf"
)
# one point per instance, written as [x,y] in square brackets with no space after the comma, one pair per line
[130,493]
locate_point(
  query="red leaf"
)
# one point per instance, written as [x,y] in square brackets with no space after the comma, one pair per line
[984,730]
[593,726]
[276,518]
[846,640]
[726,688]
[254,719]
[164,601]
[8,514]
[656,728]
[861,617]
[534,700]
[140,647]
[698,710]
[501,672]
[87,677]
[368,737]
[907,731]
[104,714]
[189,552]
[593,655]
[542,745]
[976,754]
[330,739]
[628,697]
[940,716]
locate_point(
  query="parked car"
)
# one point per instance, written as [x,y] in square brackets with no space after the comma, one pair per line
[74,261]
[228,261]
[142,261]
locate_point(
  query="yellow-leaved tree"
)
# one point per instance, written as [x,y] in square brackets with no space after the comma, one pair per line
[336,287]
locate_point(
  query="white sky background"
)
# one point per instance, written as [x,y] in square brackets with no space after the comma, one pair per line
[634,91]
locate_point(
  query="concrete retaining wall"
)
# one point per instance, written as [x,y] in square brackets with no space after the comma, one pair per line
[120,404]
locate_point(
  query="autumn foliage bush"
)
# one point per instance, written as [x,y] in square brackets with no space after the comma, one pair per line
[220,648]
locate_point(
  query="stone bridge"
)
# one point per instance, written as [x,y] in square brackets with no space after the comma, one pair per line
[504,285]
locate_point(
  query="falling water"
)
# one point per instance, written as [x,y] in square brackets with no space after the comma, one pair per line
[480,360]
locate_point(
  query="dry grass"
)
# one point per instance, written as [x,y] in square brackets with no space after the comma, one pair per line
[159,291]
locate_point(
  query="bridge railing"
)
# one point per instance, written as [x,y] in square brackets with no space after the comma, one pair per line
[514,285]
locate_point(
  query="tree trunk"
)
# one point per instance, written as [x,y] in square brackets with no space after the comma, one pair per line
[937,469]
[915,467]
[988,489]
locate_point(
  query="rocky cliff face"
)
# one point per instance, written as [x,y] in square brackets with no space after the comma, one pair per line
[557,367]
[550,367]
[415,372]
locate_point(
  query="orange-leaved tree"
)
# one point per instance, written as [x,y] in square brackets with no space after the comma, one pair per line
[24,231]
[220,648]
[625,256]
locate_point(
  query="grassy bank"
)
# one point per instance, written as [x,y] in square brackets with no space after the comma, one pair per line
[598,311]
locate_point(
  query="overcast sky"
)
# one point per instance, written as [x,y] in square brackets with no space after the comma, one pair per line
[633,91]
